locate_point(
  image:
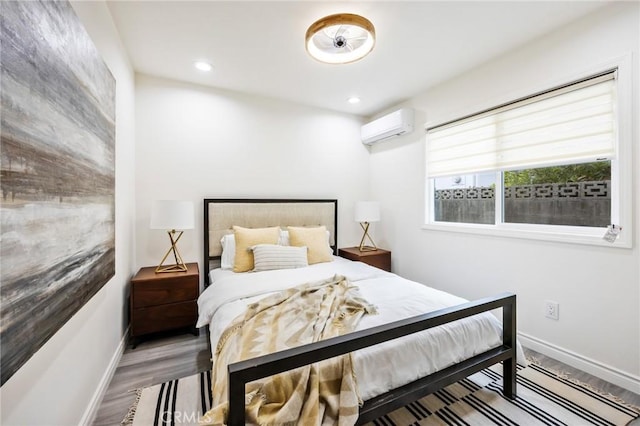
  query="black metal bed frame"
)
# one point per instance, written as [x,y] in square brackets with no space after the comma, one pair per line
[243,372]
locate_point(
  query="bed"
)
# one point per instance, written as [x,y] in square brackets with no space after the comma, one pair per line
[416,327]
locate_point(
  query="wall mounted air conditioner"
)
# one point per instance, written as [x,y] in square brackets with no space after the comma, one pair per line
[397,123]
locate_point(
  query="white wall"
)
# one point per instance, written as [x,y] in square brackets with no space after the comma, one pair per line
[194,142]
[62,382]
[598,288]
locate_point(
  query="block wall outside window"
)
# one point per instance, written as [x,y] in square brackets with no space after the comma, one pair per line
[573,204]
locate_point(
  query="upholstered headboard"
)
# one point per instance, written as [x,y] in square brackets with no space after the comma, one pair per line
[221,214]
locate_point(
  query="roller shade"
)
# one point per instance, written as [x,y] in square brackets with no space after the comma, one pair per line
[575,123]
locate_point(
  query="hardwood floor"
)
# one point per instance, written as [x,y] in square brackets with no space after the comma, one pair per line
[174,356]
[154,361]
[579,375]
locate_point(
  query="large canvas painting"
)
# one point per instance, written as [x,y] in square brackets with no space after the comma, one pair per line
[57,136]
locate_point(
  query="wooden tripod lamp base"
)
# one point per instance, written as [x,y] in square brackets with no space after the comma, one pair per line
[179,265]
[365,213]
[172,215]
[366,236]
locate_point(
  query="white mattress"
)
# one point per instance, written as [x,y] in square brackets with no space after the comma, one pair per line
[382,367]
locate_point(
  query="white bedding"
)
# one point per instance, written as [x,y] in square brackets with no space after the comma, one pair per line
[378,368]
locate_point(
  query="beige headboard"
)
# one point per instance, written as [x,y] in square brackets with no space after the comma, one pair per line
[221,214]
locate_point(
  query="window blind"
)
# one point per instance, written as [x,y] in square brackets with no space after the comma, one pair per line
[572,124]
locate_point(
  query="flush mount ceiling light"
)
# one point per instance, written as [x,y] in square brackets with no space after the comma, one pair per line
[340,38]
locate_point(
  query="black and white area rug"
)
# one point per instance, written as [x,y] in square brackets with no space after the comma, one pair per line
[544,398]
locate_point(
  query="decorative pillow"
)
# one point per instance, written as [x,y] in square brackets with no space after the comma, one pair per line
[227,259]
[315,239]
[267,257]
[245,239]
[284,238]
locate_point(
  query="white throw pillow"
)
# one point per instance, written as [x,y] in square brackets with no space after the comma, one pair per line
[228,243]
[267,257]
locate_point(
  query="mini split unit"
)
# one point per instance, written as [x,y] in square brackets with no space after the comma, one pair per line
[397,123]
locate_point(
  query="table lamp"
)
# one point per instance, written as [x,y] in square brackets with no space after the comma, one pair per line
[365,213]
[174,217]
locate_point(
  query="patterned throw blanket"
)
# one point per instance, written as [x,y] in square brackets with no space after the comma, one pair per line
[323,393]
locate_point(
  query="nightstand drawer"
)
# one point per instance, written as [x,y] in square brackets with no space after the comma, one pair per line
[163,301]
[166,317]
[382,262]
[379,258]
[169,290]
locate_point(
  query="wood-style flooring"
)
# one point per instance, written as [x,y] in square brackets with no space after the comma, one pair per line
[174,356]
[154,361]
[579,375]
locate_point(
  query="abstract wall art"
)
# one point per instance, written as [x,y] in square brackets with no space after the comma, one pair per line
[57,174]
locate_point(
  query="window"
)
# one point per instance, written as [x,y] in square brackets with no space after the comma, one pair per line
[547,164]
[465,198]
[573,195]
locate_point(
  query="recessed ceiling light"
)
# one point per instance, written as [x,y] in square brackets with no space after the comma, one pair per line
[353,100]
[203,66]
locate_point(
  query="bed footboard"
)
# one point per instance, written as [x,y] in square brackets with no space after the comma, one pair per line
[243,372]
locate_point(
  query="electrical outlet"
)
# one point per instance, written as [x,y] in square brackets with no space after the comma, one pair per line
[551,309]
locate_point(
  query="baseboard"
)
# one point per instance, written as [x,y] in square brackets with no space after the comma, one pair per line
[588,365]
[92,409]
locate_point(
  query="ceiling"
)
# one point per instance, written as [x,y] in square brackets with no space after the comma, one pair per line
[258,47]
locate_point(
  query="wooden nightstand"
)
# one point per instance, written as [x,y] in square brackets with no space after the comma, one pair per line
[379,258]
[164,301]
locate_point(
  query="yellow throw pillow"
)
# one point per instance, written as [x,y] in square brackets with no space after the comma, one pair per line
[247,238]
[315,239]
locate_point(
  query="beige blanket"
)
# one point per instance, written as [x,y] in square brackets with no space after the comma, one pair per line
[323,393]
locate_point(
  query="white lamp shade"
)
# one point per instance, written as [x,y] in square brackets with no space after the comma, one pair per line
[171,214]
[367,211]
